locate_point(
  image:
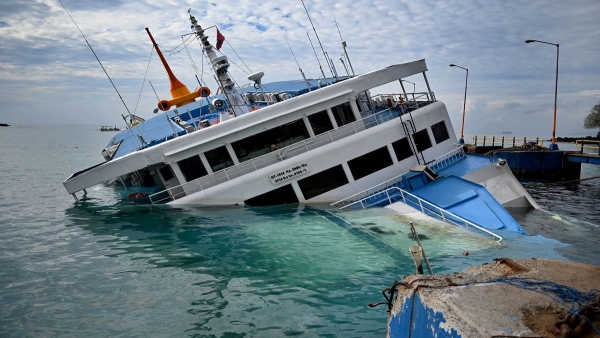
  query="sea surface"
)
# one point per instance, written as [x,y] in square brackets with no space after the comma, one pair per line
[102,268]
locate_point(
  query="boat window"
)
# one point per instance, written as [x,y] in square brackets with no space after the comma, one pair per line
[218,158]
[440,132]
[323,182]
[422,140]
[192,168]
[282,195]
[343,114]
[402,149]
[166,173]
[320,122]
[369,163]
[269,140]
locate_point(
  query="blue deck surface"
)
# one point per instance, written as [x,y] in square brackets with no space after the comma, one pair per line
[470,201]
[471,163]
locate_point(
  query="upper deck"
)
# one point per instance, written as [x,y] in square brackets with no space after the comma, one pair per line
[277,114]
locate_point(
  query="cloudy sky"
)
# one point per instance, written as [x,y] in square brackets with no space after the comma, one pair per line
[49,75]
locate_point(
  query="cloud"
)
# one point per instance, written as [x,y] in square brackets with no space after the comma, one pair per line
[45,59]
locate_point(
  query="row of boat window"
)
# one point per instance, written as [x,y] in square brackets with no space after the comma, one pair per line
[295,131]
[264,142]
[335,177]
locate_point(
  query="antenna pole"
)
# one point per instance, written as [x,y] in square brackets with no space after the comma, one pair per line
[331,66]
[317,35]
[313,47]
[344,64]
[344,45]
[300,69]
[105,72]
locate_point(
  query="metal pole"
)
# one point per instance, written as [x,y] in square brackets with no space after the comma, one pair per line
[462,130]
[554,146]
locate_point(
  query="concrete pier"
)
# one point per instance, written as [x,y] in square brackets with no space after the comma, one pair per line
[506,298]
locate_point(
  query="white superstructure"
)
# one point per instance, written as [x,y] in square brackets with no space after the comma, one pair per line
[317,147]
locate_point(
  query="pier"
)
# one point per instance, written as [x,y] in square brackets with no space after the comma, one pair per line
[527,157]
[582,156]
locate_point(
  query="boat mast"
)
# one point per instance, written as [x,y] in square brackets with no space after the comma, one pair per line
[220,66]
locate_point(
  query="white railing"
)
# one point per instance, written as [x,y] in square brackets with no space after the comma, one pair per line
[424,206]
[408,98]
[273,157]
[437,164]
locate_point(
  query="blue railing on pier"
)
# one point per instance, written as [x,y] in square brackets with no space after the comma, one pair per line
[504,141]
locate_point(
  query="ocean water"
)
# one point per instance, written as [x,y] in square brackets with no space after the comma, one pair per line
[103,268]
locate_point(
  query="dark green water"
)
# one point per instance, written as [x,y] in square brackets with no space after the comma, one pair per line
[100,268]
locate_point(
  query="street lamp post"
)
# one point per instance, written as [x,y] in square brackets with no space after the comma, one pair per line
[553,146]
[462,129]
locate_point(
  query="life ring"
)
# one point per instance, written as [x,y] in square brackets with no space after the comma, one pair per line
[164,105]
[203,91]
[400,100]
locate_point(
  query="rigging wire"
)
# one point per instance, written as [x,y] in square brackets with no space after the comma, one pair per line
[183,43]
[228,44]
[146,74]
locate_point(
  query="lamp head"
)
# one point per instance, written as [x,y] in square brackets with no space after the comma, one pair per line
[452,65]
[530,41]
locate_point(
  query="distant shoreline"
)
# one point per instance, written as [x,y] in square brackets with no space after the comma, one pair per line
[573,139]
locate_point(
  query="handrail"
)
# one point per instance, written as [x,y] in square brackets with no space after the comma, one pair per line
[581,145]
[440,211]
[506,141]
[256,163]
[424,96]
[437,164]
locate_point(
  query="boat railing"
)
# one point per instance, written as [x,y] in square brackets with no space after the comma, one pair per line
[437,164]
[506,141]
[587,144]
[395,194]
[407,100]
[273,157]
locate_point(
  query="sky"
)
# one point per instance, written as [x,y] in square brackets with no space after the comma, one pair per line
[48,74]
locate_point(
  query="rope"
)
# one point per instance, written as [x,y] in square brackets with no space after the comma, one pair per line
[578,180]
[560,293]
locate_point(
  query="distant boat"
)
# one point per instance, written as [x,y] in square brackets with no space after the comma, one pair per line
[109,128]
[4,125]
[507,132]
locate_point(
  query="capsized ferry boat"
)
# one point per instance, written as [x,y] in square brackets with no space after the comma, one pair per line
[310,141]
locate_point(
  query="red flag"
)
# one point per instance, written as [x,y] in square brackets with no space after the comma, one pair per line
[220,40]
